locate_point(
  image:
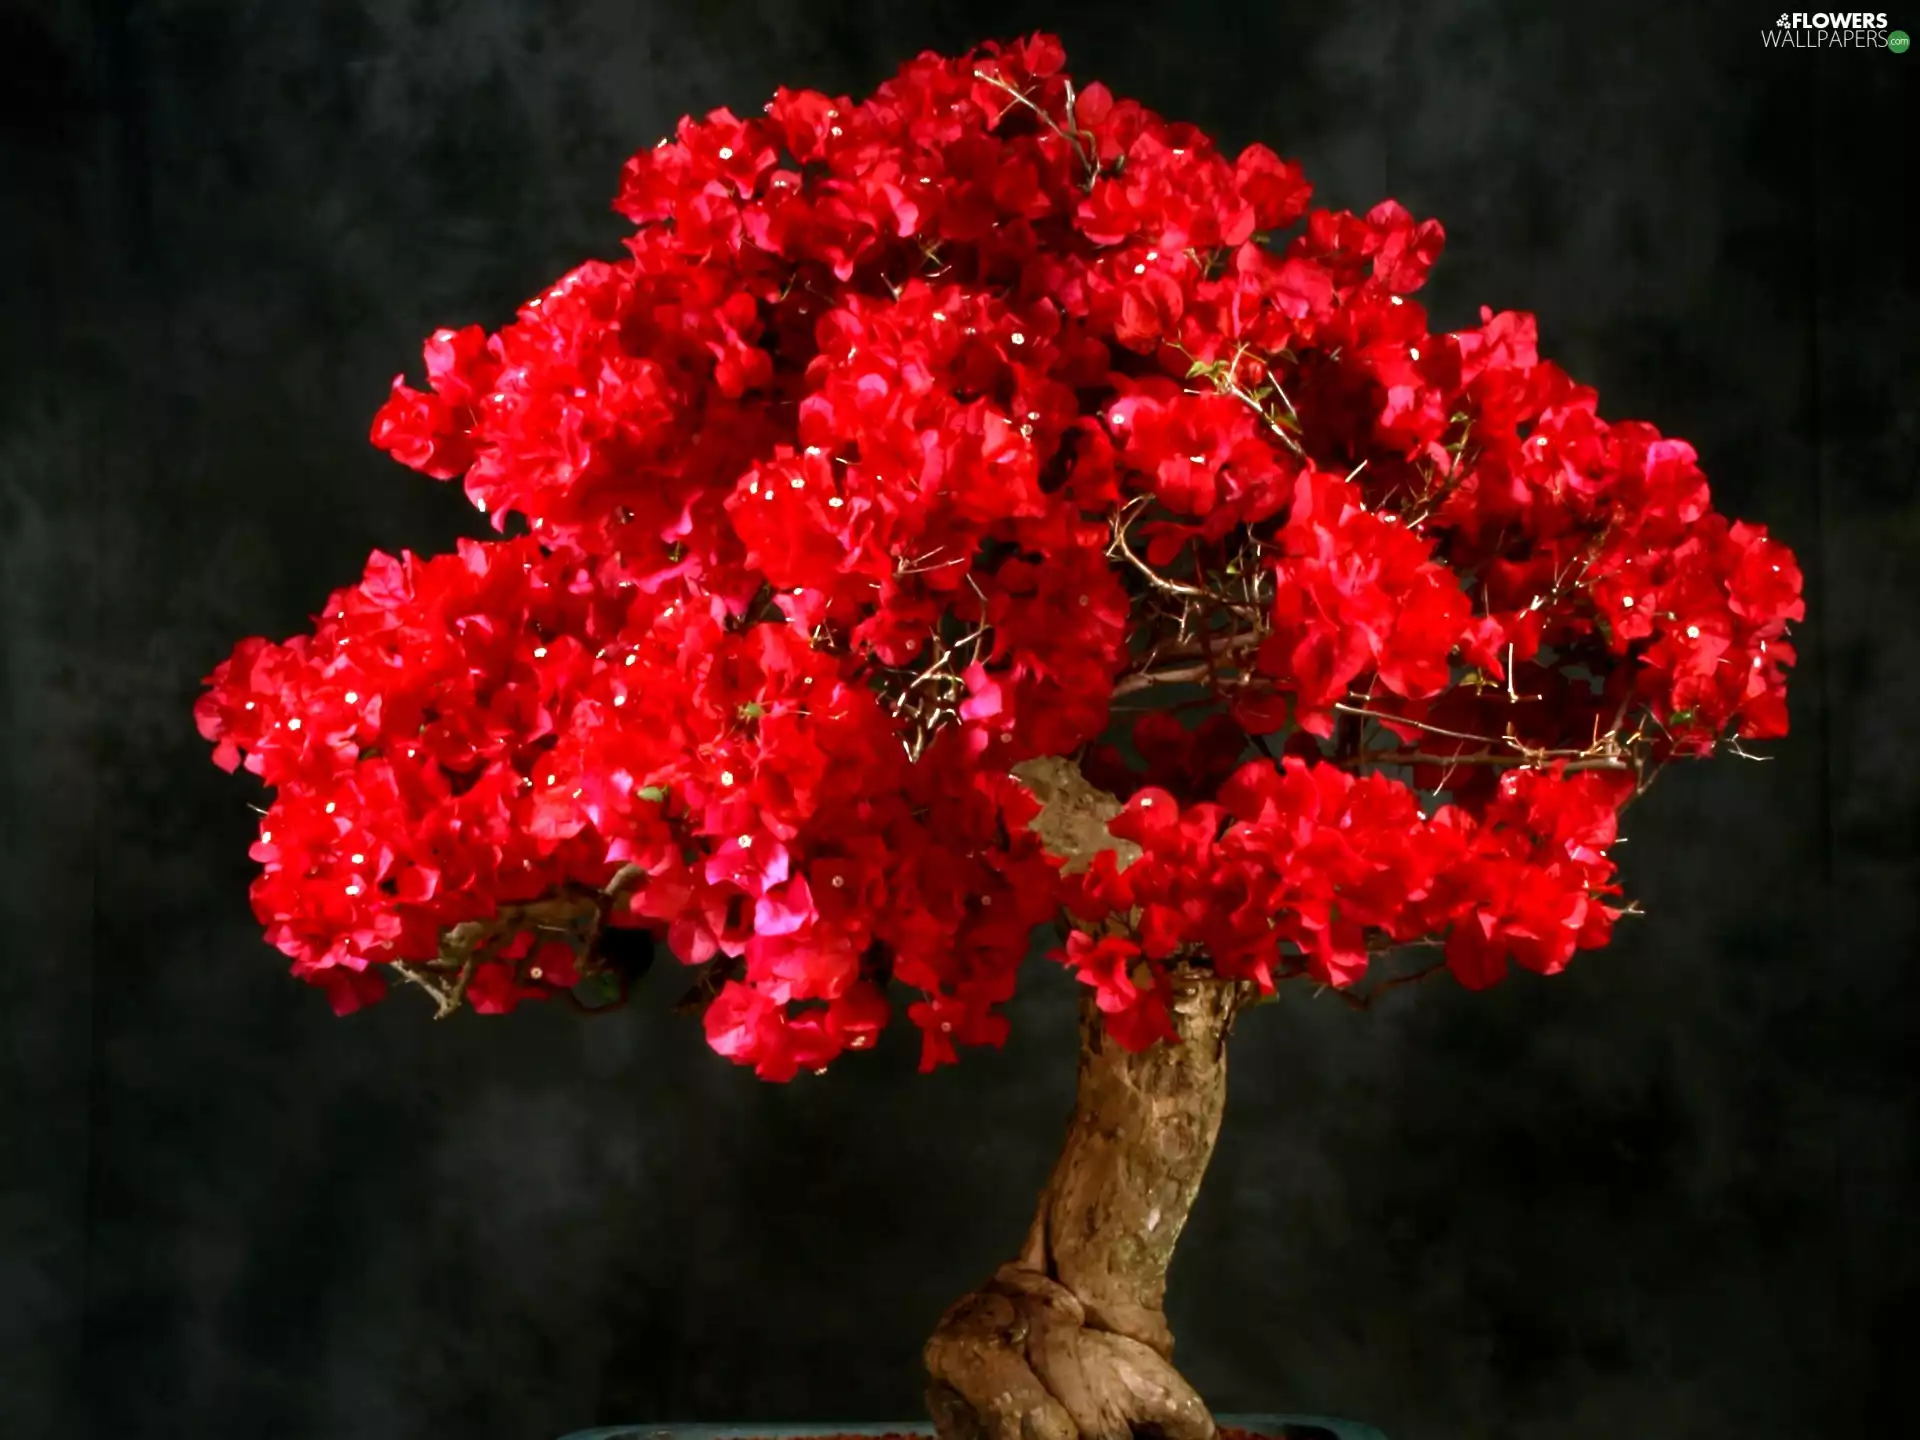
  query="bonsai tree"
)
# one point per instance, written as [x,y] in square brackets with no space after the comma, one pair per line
[983,510]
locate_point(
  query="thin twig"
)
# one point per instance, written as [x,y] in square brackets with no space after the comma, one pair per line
[1089,160]
[1345,709]
[1538,758]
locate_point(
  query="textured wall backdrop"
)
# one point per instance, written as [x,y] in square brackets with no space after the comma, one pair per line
[1668,1194]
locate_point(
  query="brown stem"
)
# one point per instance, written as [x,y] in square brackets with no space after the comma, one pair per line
[1147,679]
[1578,760]
[1070,1341]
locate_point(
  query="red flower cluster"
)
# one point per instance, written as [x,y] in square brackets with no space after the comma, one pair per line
[1307,869]
[903,437]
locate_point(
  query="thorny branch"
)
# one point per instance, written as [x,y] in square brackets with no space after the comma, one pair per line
[1209,624]
[576,916]
[926,697]
[1362,1000]
[1071,132]
[1201,618]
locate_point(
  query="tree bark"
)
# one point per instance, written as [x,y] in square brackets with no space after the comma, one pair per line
[1070,1341]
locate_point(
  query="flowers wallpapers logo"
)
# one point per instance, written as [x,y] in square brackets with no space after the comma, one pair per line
[1823,29]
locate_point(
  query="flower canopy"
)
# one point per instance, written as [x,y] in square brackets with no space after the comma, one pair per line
[914,440]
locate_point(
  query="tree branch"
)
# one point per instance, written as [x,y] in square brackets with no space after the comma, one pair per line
[1535,759]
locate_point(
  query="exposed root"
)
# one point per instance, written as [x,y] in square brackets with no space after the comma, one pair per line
[1016,1360]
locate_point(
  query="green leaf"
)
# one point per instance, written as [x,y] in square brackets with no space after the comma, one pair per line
[653,792]
[598,989]
[752,710]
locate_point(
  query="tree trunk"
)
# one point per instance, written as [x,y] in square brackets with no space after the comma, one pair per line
[1070,1341]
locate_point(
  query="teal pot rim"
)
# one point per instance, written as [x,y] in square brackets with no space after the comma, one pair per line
[1277,1427]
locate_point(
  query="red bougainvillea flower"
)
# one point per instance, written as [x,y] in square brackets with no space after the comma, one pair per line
[917,438]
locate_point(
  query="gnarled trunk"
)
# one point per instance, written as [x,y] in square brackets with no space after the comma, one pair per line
[1070,1341]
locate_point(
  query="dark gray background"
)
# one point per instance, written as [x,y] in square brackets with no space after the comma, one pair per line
[1668,1194]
